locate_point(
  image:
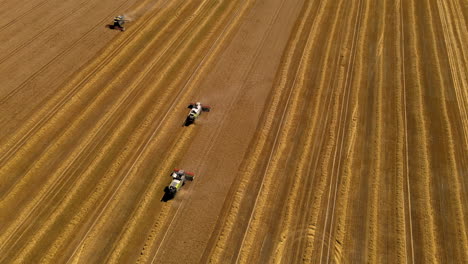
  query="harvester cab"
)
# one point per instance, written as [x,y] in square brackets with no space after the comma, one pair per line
[119,22]
[179,177]
[196,110]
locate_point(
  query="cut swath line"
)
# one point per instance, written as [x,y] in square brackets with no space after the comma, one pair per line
[406,129]
[341,130]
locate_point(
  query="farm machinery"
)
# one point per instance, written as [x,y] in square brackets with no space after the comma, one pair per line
[196,110]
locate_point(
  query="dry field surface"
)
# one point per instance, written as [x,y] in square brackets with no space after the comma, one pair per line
[338,131]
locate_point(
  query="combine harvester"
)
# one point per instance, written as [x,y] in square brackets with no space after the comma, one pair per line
[196,110]
[119,22]
[179,177]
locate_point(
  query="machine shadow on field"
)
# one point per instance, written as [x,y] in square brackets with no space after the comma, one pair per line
[112,27]
[167,196]
[187,122]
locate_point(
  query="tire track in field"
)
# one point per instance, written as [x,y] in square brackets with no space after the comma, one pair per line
[341,73]
[377,166]
[356,83]
[453,35]
[309,222]
[304,166]
[340,129]
[403,146]
[329,142]
[345,187]
[306,223]
[80,152]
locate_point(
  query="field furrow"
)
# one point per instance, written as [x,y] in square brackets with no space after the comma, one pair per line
[337,131]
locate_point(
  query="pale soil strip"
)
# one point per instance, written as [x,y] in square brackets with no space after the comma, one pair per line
[458,69]
[404,167]
[228,227]
[340,129]
[456,199]
[73,90]
[281,141]
[54,180]
[422,173]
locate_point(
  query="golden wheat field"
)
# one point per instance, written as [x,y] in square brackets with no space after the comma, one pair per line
[338,131]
